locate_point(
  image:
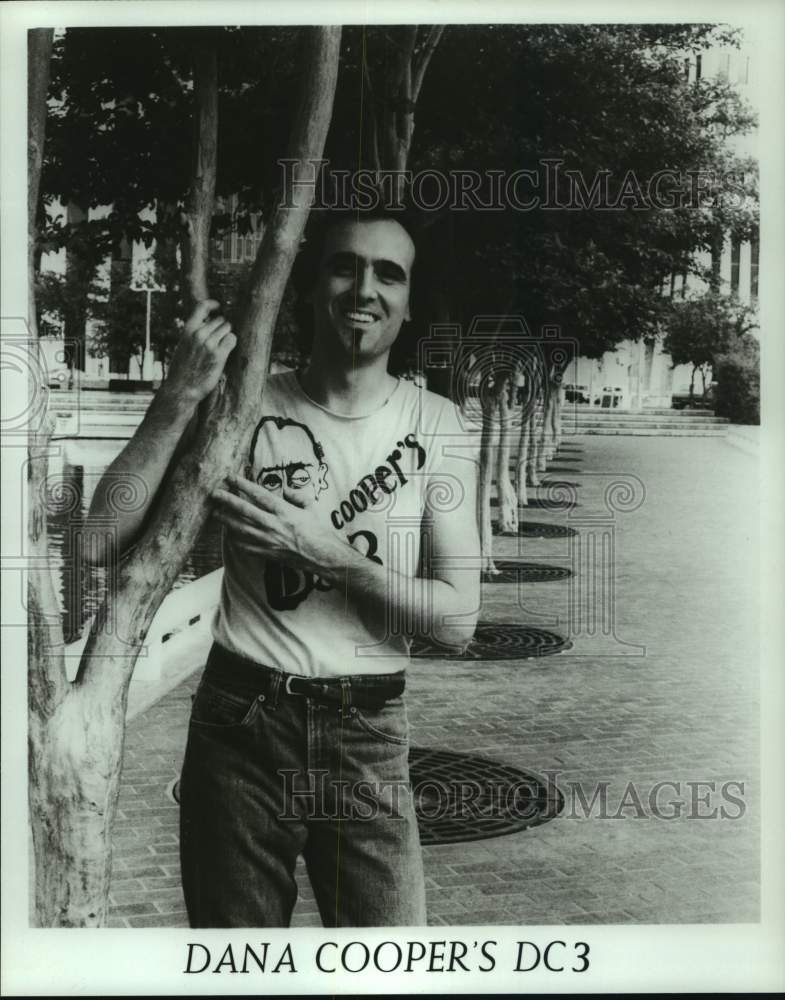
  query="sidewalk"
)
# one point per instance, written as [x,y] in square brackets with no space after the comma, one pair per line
[685,712]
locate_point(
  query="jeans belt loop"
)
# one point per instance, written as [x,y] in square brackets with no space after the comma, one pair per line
[346,698]
[274,689]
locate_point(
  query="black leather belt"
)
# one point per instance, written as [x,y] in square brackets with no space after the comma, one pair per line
[370,691]
[363,692]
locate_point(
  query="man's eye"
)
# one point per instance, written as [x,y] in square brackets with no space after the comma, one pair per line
[344,270]
[271,481]
[389,277]
[299,479]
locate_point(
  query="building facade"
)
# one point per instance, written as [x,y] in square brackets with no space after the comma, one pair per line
[640,375]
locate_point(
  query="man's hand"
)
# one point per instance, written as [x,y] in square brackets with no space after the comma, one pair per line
[277,529]
[200,356]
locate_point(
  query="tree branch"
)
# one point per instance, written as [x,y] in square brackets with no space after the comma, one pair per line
[199,210]
[421,63]
[152,568]
[372,114]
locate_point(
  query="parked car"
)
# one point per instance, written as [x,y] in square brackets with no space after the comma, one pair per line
[610,397]
[576,393]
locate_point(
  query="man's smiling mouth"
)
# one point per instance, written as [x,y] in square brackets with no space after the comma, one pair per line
[360,316]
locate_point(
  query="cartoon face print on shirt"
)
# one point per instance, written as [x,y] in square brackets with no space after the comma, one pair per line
[287,460]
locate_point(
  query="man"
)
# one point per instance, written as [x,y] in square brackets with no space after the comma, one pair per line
[349,533]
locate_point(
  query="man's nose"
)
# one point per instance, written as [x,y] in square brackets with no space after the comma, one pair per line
[365,285]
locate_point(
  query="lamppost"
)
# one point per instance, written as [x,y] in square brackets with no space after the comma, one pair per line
[145,282]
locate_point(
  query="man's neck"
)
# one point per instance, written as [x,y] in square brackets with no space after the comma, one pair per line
[345,389]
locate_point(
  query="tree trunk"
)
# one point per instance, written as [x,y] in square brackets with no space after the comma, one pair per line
[558,401]
[507,496]
[79,274]
[541,460]
[47,684]
[552,433]
[524,442]
[532,477]
[39,52]
[490,409]
[78,741]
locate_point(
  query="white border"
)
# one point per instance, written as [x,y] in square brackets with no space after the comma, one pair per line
[624,958]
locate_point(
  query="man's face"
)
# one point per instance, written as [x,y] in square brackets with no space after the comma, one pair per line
[285,464]
[361,294]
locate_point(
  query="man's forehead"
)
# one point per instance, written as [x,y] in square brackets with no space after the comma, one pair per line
[376,239]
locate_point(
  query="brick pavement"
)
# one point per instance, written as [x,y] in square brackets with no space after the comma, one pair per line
[686,711]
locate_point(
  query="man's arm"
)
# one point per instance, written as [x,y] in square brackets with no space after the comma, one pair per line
[442,606]
[195,368]
[441,603]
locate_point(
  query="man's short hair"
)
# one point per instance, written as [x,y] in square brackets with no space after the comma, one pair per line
[306,264]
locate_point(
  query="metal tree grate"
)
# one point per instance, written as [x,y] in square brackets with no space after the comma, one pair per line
[499,642]
[523,572]
[542,503]
[539,529]
[460,797]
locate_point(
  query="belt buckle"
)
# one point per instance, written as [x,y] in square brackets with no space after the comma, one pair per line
[288,684]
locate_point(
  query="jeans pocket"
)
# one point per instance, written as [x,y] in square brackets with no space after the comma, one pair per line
[388,723]
[223,708]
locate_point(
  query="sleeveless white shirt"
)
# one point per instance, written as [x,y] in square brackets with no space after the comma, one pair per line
[365,478]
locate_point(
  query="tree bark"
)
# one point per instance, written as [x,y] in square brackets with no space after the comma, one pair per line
[557,414]
[537,406]
[551,417]
[524,440]
[490,411]
[403,83]
[532,478]
[79,745]
[541,461]
[507,496]
[199,208]
[39,53]
[47,683]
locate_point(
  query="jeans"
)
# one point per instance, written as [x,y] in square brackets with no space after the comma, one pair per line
[269,776]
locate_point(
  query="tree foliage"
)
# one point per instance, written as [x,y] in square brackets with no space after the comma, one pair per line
[737,373]
[590,99]
[594,101]
[701,329]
